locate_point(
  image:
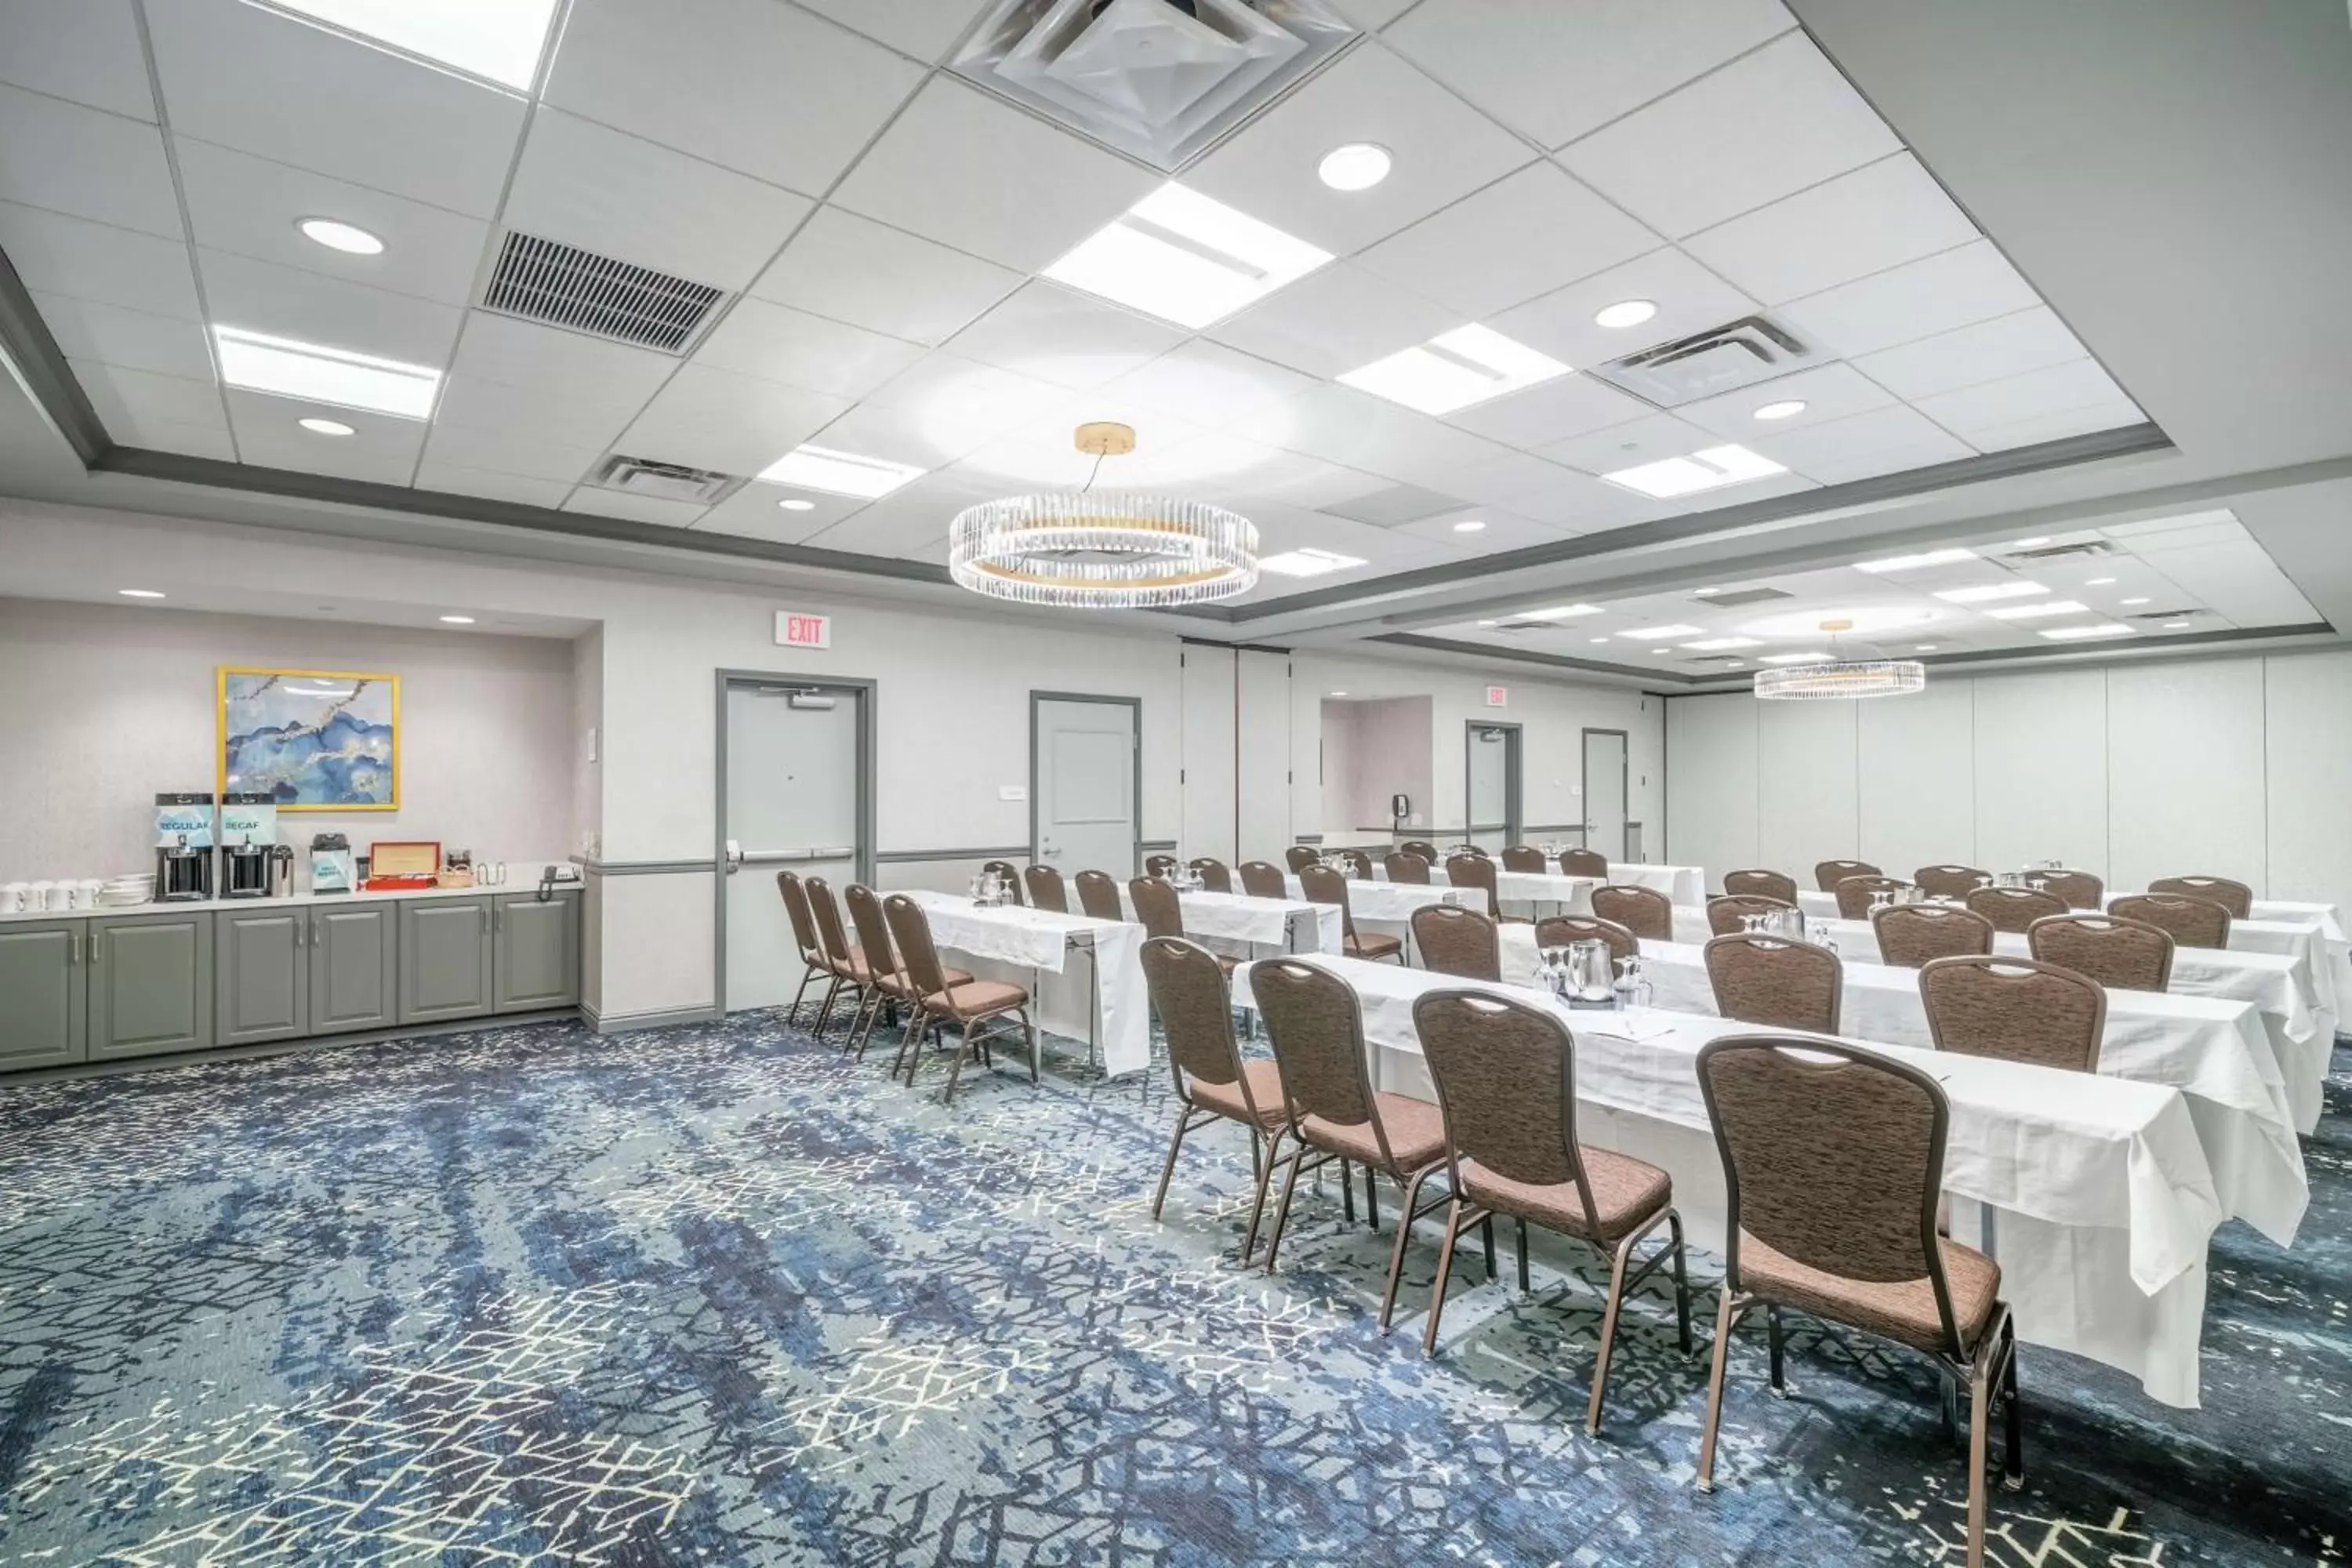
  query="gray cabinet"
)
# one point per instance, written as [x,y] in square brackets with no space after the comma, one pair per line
[445,959]
[538,951]
[151,985]
[42,996]
[262,974]
[354,967]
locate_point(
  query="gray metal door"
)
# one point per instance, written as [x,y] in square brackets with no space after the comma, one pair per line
[42,994]
[1083,782]
[793,800]
[261,982]
[1604,792]
[1491,784]
[354,967]
[151,985]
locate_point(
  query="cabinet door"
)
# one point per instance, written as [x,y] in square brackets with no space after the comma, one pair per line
[537,952]
[151,985]
[42,993]
[445,959]
[261,988]
[354,967]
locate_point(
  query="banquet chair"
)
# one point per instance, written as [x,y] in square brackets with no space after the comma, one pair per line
[1645,911]
[1724,911]
[2081,889]
[1559,931]
[2015,1009]
[1457,941]
[1262,879]
[2122,954]
[1011,876]
[813,960]
[1322,885]
[851,976]
[969,1005]
[1405,867]
[1215,876]
[1832,1173]
[1298,857]
[1421,846]
[1853,894]
[1771,981]
[1333,1113]
[1356,864]
[2193,922]
[1524,857]
[1191,993]
[1046,891]
[1584,863]
[1098,896]
[1160,864]
[1506,1078]
[1477,871]
[1160,911]
[1910,934]
[1775,885]
[1951,882]
[1828,874]
[890,981]
[2014,909]
[2235,897]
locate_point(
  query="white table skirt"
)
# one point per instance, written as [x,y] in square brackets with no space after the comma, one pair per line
[1102,999]
[2103,1204]
[1257,923]
[1681,884]
[1384,903]
[1572,893]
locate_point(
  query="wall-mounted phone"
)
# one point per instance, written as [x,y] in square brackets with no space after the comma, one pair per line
[1401,811]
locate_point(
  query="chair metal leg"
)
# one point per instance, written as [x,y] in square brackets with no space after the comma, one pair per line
[1773,1336]
[1396,1253]
[1265,1176]
[1175,1141]
[861,1022]
[1444,1267]
[1682,1281]
[2013,1469]
[1029,1027]
[1981,1394]
[1523,1256]
[825,1012]
[1371,1197]
[1282,1209]
[1487,1235]
[1348,1190]
[808,977]
[1727,1315]
[1608,1333]
[906,1037]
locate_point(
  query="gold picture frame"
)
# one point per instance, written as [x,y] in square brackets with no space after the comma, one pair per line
[269,729]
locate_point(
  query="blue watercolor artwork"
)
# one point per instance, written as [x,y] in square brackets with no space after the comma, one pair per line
[317,739]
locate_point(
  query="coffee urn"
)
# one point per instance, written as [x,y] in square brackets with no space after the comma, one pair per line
[183,846]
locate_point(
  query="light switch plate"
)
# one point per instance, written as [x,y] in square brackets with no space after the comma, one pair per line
[1012,791]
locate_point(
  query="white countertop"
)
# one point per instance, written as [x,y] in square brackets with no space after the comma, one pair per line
[513,884]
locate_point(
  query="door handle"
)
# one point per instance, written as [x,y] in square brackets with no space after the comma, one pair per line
[733,858]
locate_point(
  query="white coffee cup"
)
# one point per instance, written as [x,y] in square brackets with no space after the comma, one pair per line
[12,898]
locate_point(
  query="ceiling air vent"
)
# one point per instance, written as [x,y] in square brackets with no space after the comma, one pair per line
[2163,615]
[2061,552]
[665,481]
[1721,359]
[1739,596]
[563,286]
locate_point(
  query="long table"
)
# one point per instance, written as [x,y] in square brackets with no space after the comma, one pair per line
[1106,1004]
[1287,925]
[2101,1203]
[1681,884]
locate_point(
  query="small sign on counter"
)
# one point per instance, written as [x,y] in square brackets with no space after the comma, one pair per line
[796,628]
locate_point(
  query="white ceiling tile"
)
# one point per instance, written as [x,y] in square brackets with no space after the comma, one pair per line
[1443,149]
[1741,494]
[1934,294]
[189,441]
[1649,439]
[257,79]
[872,276]
[714,419]
[1357,430]
[1829,392]
[634,509]
[754,512]
[1882,441]
[1763,127]
[466,446]
[285,302]
[131,403]
[250,206]
[1504,531]
[2055,389]
[1373,15]
[756,86]
[758,338]
[2007,345]
[621,195]
[923,28]
[1542,490]
[1550,411]
[1238,472]
[1210,384]
[1689,299]
[433,474]
[69,159]
[1560,68]
[2112,414]
[55,254]
[965,170]
[546,359]
[1338,317]
[1053,335]
[541,414]
[907,520]
[132,339]
[86,50]
[1525,234]
[1882,216]
[939,409]
[380,449]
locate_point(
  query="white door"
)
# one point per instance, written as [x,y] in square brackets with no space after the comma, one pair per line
[1604,792]
[1084,774]
[1490,786]
[791,804]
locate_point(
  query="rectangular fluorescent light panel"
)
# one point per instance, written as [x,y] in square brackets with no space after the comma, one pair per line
[2077,634]
[1184,259]
[1557,612]
[1913,563]
[1988,592]
[318,374]
[1708,470]
[2037,610]
[497,39]
[838,473]
[1793,658]
[1717,645]
[1455,370]
[1656,633]
[1307,563]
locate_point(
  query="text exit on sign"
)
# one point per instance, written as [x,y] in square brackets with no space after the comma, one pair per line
[794,629]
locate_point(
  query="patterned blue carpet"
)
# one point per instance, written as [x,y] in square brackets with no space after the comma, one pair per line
[718,1296]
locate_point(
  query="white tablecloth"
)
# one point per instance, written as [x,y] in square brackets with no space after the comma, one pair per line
[1387,903]
[1545,887]
[2103,1206]
[1257,923]
[1102,1000]
[1681,884]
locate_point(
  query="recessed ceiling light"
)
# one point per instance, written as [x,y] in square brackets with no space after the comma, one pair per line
[1717,645]
[1560,613]
[1784,409]
[838,473]
[1913,563]
[1923,647]
[2099,582]
[796,504]
[457,620]
[1468,525]
[1307,563]
[1661,652]
[1358,166]
[1655,632]
[2142,600]
[1339,694]
[1707,593]
[2035,542]
[500,39]
[318,374]
[1599,640]
[1985,592]
[2038,609]
[1624,313]
[2077,634]
[1710,469]
[1793,659]
[325,426]
[1455,370]
[346,237]
[140,593]
[1184,259]
[1485,623]
[2174,626]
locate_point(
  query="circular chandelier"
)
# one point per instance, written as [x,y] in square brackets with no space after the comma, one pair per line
[1103,550]
[1833,678]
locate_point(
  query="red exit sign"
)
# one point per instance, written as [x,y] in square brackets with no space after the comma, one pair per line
[1497,696]
[794,629]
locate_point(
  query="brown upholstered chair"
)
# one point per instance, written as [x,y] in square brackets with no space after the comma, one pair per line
[1215,876]
[1009,872]
[1584,863]
[2014,909]
[1524,857]
[967,1006]
[1046,891]
[1645,911]
[1559,931]
[2193,922]
[1834,1172]
[1402,866]
[1262,879]
[1298,857]
[1098,896]
[1910,934]
[813,959]
[2235,897]
[1160,911]
[1190,994]
[2016,1009]
[1479,871]
[1316,1030]
[1457,941]
[1828,874]
[851,976]
[2081,889]
[1160,864]
[1951,882]
[1356,864]
[1322,885]
[1764,884]
[2121,955]
[1854,894]
[1423,848]
[890,982]
[1726,911]
[1778,983]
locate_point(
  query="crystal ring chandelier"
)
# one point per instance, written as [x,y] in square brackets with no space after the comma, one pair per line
[1103,550]
[1835,678]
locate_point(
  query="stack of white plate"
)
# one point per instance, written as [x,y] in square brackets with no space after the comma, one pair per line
[133,889]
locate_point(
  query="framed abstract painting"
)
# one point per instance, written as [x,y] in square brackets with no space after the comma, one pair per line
[317,740]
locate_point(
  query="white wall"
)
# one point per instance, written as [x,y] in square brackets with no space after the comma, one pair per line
[1372,750]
